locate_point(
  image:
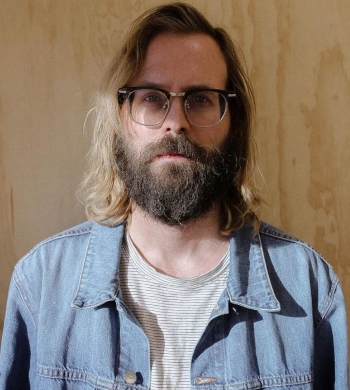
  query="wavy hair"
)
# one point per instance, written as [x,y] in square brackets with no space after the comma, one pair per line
[103,192]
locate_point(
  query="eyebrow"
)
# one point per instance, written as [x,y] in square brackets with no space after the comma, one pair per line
[161,86]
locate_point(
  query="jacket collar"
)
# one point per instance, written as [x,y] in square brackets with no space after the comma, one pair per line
[248,282]
[99,277]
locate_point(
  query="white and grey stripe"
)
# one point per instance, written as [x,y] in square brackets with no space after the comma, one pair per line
[173,313]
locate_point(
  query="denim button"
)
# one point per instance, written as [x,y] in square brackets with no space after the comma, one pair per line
[130,377]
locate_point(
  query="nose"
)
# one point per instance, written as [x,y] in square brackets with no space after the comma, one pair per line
[176,119]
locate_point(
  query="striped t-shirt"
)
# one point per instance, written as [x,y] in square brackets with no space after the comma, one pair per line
[173,313]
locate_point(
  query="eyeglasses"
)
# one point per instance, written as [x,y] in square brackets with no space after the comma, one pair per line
[150,106]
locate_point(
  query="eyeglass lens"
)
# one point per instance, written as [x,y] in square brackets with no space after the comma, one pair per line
[203,108]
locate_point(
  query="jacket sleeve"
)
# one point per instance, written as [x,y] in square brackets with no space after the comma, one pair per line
[331,348]
[18,347]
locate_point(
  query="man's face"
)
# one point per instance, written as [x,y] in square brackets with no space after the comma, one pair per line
[178,63]
[176,171]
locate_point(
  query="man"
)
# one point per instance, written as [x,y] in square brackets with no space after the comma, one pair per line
[174,283]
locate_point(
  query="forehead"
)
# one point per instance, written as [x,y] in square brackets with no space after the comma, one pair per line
[183,61]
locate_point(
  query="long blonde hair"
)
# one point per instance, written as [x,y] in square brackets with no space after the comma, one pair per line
[102,191]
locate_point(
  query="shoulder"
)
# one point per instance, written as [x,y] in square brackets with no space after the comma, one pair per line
[52,247]
[287,248]
[66,251]
[53,268]
[275,238]
[74,232]
[53,253]
[59,257]
[298,266]
[279,234]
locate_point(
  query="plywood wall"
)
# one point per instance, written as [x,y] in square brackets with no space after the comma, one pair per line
[52,56]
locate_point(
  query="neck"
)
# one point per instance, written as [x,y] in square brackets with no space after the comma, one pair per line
[181,251]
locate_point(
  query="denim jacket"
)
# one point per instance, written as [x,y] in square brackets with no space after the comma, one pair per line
[279,324]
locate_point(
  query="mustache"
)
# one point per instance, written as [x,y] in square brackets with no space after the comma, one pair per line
[178,145]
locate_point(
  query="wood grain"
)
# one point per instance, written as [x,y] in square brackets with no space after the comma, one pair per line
[53,55]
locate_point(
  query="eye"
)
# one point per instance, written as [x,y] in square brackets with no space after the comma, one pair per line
[153,97]
[200,99]
[149,99]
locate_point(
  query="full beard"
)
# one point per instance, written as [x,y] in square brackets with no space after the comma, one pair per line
[176,192]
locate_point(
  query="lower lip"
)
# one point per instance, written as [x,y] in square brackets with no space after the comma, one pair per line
[172,157]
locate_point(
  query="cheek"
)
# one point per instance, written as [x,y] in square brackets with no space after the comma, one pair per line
[211,137]
[139,136]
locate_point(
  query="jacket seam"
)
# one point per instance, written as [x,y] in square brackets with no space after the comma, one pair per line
[334,280]
[329,303]
[59,373]
[82,271]
[83,376]
[267,274]
[69,233]
[25,296]
[295,241]
[255,384]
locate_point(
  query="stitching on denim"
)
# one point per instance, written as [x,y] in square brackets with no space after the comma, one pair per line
[20,286]
[299,379]
[286,237]
[329,303]
[82,270]
[18,278]
[271,232]
[289,379]
[63,373]
[296,379]
[253,304]
[267,274]
[68,233]
[84,377]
